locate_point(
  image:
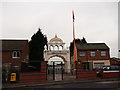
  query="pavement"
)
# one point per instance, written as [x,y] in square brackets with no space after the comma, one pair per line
[67,80]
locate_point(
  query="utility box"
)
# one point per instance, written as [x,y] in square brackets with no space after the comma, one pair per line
[13,77]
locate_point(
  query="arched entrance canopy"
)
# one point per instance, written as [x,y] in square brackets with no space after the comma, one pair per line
[56,48]
[57,56]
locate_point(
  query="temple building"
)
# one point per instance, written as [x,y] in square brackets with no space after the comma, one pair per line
[56,48]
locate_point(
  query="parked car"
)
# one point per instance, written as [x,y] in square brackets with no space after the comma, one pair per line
[112,67]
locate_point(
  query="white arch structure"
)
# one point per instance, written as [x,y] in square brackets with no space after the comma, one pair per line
[56,49]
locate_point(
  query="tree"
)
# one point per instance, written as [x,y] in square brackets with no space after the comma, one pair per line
[77,41]
[36,46]
[84,40]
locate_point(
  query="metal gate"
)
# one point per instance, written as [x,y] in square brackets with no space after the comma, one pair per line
[56,71]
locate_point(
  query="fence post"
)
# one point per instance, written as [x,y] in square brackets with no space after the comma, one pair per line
[62,69]
[76,66]
[101,73]
[53,70]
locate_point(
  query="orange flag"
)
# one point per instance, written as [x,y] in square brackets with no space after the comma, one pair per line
[75,49]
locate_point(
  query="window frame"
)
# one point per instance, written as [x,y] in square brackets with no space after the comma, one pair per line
[103,54]
[92,52]
[16,54]
[99,65]
[82,52]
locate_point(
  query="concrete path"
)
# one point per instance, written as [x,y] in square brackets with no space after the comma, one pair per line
[58,77]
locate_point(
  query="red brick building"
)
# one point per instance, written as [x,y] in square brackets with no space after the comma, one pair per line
[114,61]
[92,55]
[14,52]
[95,53]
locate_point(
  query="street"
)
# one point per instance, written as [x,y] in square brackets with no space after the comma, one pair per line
[107,85]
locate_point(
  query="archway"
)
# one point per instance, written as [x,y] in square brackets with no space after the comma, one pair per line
[56,68]
[56,49]
[55,59]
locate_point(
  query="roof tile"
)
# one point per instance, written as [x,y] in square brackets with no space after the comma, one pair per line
[92,46]
[11,45]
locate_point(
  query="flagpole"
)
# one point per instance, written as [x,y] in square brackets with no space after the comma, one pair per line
[74,43]
[75,49]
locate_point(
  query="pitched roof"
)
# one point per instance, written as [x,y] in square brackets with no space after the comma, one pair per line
[92,46]
[11,45]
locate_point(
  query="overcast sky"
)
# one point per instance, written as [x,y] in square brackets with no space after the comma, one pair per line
[96,21]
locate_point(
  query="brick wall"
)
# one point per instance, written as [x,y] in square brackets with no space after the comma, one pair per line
[37,76]
[97,57]
[114,62]
[110,74]
[32,77]
[80,74]
[7,57]
[86,75]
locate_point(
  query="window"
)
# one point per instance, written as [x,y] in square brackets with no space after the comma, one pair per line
[56,48]
[60,47]
[92,53]
[82,53]
[112,67]
[99,65]
[51,47]
[103,53]
[16,54]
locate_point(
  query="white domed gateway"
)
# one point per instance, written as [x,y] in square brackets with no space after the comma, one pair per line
[56,44]
[56,39]
[56,48]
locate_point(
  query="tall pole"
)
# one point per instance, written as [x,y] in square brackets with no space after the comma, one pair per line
[75,49]
[62,70]
[53,70]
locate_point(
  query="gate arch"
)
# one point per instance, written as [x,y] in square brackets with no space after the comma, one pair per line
[57,56]
[60,52]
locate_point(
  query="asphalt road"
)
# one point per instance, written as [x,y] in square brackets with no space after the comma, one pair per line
[112,85]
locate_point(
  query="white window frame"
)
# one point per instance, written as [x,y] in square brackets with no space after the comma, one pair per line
[99,65]
[16,54]
[82,54]
[103,53]
[92,54]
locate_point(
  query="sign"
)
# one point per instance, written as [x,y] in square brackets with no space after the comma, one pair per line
[13,77]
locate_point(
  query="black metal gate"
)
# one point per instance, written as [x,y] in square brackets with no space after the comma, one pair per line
[56,71]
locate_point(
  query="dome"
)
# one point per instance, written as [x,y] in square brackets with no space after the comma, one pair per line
[56,39]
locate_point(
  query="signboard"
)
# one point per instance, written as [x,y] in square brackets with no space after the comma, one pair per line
[13,77]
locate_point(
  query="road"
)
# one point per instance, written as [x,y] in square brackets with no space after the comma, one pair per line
[104,84]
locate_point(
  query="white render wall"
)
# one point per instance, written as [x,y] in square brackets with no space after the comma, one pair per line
[65,55]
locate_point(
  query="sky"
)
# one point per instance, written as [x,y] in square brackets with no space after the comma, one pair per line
[96,21]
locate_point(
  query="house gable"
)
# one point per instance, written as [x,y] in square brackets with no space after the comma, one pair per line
[11,47]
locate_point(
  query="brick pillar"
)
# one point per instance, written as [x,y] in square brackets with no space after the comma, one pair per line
[101,73]
[43,66]
[79,68]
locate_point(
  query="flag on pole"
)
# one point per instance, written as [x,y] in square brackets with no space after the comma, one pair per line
[73,16]
[75,48]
